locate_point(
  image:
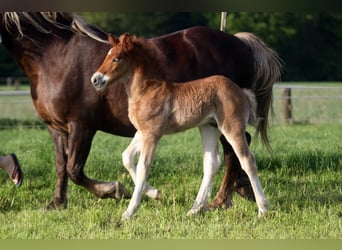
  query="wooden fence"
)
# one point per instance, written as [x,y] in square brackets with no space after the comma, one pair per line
[292,104]
[308,104]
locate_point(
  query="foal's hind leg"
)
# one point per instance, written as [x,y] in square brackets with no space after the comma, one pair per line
[234,179]
[211,163]
[239,143]
[128,161]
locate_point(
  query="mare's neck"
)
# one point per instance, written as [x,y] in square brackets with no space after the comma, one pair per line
[31,51]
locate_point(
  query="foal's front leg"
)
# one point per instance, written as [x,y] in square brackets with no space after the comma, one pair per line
[128,161]
[148,146]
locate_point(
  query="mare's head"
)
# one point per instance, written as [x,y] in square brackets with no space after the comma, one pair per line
[116,64]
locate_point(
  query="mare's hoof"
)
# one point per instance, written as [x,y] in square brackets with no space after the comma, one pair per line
[56,205]
[122,192]
[219,203]
[114,190]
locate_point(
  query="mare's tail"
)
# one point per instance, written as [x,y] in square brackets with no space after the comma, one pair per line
[267,70]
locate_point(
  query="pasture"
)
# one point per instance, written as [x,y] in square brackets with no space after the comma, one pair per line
[301,178]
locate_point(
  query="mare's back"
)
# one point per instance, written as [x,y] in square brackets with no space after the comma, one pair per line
[204,52]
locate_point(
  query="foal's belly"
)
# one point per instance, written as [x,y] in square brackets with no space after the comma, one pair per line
[185,122]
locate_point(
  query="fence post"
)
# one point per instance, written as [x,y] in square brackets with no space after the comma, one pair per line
[223,21]
[287,106]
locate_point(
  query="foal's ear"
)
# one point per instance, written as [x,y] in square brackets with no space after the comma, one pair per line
[113,40]
[126,42]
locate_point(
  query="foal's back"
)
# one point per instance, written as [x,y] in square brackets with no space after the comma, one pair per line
[215,100]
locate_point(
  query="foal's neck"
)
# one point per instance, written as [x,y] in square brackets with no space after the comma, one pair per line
[146,70]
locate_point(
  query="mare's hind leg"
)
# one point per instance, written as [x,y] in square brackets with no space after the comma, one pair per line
[239,143]
[211,163]
[79,143]
[128,161]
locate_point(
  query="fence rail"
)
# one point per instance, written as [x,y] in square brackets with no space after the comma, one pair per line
[308,104]
[292,104]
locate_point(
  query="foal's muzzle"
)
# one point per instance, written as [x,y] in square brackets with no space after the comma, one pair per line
[98,80]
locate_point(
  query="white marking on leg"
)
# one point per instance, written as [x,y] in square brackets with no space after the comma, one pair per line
[147,152]
[128,157]
[248,164]
[211,163]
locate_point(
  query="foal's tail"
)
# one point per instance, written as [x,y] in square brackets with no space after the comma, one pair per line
[267,70]
[252,103]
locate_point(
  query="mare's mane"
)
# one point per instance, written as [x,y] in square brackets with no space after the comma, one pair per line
[42,21]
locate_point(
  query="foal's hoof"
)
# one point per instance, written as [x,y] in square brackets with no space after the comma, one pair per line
[126,216]
[196,211]
[158,195]
[262,211]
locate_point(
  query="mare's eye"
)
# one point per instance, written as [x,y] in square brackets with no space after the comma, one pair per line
[116,60]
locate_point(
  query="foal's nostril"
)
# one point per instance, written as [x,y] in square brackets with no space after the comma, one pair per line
[96,79]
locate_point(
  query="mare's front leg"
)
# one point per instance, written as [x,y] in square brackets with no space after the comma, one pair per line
[211,164]
[60,196]
[234,179]
[79,143]
[128,161]
[148,146]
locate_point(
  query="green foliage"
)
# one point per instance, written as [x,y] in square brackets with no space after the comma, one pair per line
[309,44]
[144,24]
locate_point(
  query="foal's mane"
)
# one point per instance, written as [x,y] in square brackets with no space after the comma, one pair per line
[147,56]
[42,21]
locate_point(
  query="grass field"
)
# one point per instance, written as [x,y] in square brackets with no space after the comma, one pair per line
[302,180]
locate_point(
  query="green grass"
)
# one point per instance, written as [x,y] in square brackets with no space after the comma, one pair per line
[302,180]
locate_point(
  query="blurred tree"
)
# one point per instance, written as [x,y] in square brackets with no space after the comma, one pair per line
[309,44]
[144,24]
[8,67]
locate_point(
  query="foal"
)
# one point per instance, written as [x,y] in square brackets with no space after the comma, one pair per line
[157,107]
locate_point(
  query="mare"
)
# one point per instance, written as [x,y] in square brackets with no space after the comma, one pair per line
[157,107]
[60,51]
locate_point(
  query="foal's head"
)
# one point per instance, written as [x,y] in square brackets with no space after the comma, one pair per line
[116,64]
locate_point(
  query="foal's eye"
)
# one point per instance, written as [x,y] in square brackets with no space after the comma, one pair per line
[116,60]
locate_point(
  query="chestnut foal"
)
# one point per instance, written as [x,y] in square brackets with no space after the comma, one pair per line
[156,107]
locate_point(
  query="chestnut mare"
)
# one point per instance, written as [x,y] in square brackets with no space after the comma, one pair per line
[156,107]
[59,52]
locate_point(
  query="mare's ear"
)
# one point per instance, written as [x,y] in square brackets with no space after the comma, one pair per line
[126,42]
[113,40]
